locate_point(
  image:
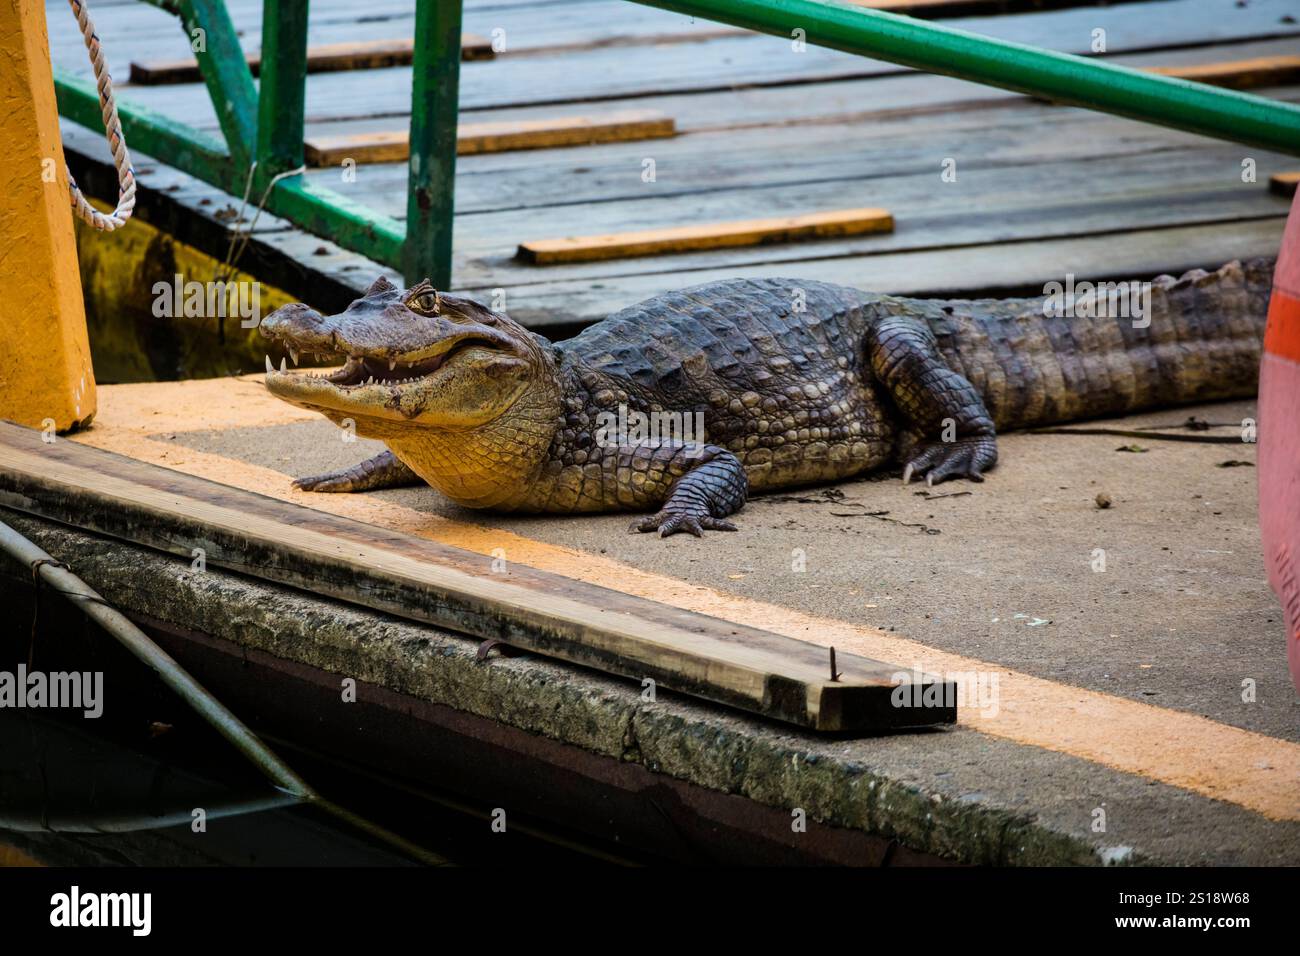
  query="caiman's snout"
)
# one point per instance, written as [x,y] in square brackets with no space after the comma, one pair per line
[298,328]
[296,318]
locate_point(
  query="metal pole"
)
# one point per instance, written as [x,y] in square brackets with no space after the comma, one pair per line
[154,657]
[133,823]
[1077,81]
[435,107]
[224,69]
[178,679]
[282,88]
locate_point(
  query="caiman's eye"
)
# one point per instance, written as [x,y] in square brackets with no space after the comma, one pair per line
[425,302]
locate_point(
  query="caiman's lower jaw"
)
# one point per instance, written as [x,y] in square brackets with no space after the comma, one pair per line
[399,389]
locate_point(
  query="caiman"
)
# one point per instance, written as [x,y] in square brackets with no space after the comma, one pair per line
[797,382]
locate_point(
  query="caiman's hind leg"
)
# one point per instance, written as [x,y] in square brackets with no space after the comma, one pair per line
[944,412]
[385,470]
[704,484]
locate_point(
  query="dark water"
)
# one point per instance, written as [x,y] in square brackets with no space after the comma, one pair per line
[122,789]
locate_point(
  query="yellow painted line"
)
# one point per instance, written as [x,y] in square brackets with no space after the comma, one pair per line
[1203,756]
[716,235]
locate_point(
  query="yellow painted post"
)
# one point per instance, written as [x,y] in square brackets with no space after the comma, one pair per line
[46,378]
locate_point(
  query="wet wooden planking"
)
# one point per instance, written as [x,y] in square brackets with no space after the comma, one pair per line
[743,61]
[1044,201]
[1020,267]
[321,58]
[824,141]
[529,26]
[865,164]
[758,671]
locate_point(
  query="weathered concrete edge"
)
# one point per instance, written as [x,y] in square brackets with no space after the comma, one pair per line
[709,747]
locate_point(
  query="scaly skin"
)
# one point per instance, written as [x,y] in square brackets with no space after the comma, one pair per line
[798,383]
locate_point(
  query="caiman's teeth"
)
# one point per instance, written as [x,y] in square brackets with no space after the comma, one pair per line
[269,366]
[392,364]
[283,367]
[293,354]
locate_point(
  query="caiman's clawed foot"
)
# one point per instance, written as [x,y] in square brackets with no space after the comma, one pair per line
[963,458]
[336,481]
[385,470]
[671,520]
[714,485]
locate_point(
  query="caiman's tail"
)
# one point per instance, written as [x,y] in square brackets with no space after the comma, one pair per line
[1111,348]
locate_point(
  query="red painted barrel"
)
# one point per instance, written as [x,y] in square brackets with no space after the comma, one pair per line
[1279,438]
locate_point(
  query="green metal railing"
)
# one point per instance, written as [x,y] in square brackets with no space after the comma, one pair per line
[264,132]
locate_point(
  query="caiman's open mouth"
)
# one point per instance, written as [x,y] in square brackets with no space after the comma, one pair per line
[363,370]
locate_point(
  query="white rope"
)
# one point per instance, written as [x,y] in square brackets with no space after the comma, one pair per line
[112,130]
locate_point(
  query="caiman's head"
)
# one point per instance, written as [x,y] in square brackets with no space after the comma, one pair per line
[438,377]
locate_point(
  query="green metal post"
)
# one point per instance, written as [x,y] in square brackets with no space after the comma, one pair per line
[435,105]
[282,88]
[1078,81]
[225,71]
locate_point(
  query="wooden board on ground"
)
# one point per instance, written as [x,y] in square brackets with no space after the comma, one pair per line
[943,9]
[718,235]
[394,146]
[755,670]
[1239,74]
[323,58]
[1283,184]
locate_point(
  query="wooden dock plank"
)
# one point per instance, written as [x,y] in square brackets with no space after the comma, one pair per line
[753,62]
[1239,74]
[393,146]
[1284,184]
[865,121]
[792,147]
[740,666]
[531,27]
[321,58]
[941,9]
[773,161]
[967,272]
[1045,201]
[873,160]
[718,235]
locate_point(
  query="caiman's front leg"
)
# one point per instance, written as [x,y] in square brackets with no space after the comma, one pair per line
[707,484]
[943,409]
[385,470]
